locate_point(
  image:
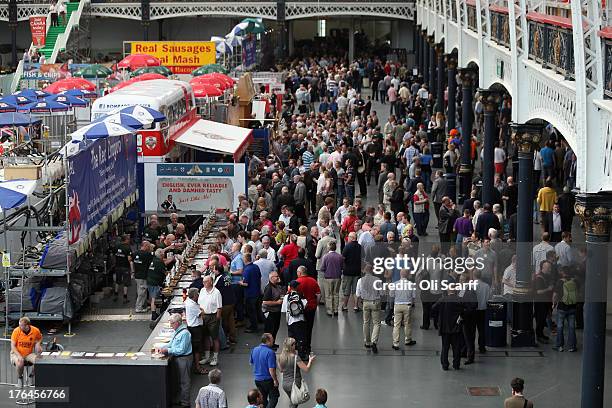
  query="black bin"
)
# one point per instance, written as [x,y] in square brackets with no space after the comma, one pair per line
[495,324]
[437,153]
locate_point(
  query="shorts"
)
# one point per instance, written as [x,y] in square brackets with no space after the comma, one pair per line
[154,291]
[211,326]
[123,276]
[30,358]
[499,168]
[349,285]
[197,333]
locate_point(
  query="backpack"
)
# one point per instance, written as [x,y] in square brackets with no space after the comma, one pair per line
[295,307]
[569,292]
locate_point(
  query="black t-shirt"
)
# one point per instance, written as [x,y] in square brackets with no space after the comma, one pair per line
[150,234]
[142,260]
[156,272]
[273,292]
[512,193]
[352,259]
[122,253]
[223,282]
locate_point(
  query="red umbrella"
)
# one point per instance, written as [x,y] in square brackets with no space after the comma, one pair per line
[70,83]
[201,90]
[224,77]
[147,77]
[219,83]
[136,61]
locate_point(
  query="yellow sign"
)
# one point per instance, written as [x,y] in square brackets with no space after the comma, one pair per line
[178,53]
[6,260]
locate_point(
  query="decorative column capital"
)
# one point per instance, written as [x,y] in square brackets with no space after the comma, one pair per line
[526,136]
[451,61]
[490,99]
[468,77]
[595,212]
[431,40]
[440,49]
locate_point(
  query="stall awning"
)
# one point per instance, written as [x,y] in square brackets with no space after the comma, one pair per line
[215,137]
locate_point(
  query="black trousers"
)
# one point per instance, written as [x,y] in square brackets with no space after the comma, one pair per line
[297,330]
[361,180]
[450,340]
[251,309]
[541,310]
[300,212]
[272,323]
[269,393]
[469,334]
[444,242]
[309,316]
[480,325]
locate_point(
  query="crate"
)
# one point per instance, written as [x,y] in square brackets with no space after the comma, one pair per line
[24,171]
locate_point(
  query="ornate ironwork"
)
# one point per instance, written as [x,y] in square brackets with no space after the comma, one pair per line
[596,219]
[500,28]
[24,11]
[608,68]
[526,136]
[552,46]
[160,10]
[490,99]
[471,17]
[295,10]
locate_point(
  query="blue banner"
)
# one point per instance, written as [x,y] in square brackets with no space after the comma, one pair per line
[102,175]
[249,51]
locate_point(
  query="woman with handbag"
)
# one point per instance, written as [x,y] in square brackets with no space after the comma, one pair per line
[292,367]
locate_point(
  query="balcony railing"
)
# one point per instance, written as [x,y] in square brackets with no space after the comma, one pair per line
[500,28]
[608,65]
[551,42]
[453,7]
[471,17]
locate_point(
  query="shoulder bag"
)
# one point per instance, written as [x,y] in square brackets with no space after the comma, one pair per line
[299,395]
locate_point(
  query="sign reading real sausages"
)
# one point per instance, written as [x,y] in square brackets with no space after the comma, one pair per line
[181,57]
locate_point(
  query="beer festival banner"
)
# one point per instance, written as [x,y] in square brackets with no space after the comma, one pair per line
[194,187]
[38,27]
[181,57]
[102,176]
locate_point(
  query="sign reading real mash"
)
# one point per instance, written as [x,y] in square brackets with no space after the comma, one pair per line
[181,57]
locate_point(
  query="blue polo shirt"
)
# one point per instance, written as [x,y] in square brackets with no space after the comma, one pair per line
[252,277]
[262,359]
[547,154]
[235,265]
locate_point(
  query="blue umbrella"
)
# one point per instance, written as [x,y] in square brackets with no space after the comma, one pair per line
[143,113]
[98,130]
[44,107]
[124,119]
[79,93]
[7,107]
[67,99]
[32,93]
[18,99]
[15,192]
[16,119]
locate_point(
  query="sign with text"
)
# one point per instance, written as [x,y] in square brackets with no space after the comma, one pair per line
[102,175]
[193,187]
[249,53]
[49,72]
[181,57]
[38,27]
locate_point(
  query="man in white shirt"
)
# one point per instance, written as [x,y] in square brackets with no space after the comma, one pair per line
[269,250]
[211,304]
[342,211]
[255,243]
[539,251]
[193,315]
[509,278]
[499,159]
[564,250]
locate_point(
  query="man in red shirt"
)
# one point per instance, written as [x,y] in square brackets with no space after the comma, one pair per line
[348,224]
[289,252]
[310,290]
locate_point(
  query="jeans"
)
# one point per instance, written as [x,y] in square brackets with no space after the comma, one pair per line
[269,393]
[251,309]
[570,315]
[350,191]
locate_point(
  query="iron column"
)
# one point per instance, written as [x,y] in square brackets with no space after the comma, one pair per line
[595,212]
[440,85]
[468,77]
[432,65]
[451,66]
[526,138]
[13,23]
[490,102]
[425,58]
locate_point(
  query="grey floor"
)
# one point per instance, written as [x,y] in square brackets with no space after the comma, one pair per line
[354,377]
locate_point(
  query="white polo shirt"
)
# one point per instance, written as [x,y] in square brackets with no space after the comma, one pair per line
[210,301]
[192,313]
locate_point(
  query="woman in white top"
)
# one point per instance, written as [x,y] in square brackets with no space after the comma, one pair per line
[53,11]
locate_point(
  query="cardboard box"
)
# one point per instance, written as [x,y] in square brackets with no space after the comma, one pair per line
[25,171]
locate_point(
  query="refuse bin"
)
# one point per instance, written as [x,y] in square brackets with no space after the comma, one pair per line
[495,324]
[437,153]
[451,186]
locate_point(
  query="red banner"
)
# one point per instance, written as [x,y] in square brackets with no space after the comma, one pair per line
[38,27]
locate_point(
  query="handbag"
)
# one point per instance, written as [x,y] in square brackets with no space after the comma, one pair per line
[299,395]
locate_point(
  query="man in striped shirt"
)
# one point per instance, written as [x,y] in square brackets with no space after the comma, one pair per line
[212,396]
[332,87]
